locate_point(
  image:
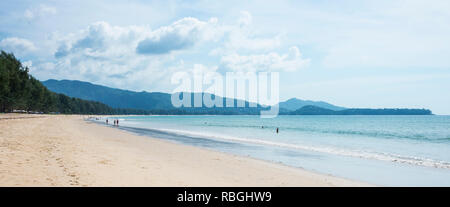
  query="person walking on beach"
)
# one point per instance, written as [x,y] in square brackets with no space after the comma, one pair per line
[117,122]
[277,130]
[106,121]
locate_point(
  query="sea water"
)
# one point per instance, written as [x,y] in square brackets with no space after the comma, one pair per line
[380,150]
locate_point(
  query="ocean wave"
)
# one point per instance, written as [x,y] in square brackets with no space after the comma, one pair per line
[419,161]
[367,133]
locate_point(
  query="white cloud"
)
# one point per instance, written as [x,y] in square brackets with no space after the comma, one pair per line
[17,45]
[28,63]
[101,40]
[290,61]
[41,11]
[181,34]
[245,19]
[106,54]
[113,55]
[242,36]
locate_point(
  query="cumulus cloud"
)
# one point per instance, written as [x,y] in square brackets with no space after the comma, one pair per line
[17,45]
[106,54]
[41,11]
[241,36]
[137,57]
[181,34]
[101,40]
[290,61]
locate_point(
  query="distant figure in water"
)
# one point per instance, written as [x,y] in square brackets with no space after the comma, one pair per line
[117,122]
[277,130]
[114,122]
[106,121]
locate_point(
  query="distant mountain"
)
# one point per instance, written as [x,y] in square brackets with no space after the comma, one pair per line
[154,102]
[160,103]
[294,104]
[314,110]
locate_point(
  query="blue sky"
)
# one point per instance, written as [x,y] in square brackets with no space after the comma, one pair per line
[350,53]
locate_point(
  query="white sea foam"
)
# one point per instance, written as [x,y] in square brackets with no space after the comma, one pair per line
[321,149]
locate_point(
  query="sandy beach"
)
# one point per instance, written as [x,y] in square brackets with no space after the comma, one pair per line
[59,150]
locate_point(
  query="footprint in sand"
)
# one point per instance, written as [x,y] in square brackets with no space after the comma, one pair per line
[104,162]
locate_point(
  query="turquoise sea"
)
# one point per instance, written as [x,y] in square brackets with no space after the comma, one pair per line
[380,150]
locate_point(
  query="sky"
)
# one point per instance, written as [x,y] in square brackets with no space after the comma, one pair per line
[351,53]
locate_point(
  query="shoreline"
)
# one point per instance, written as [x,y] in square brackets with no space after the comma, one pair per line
[66,150]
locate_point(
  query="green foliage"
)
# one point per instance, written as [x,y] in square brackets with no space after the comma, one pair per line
[13,83]
[21,91]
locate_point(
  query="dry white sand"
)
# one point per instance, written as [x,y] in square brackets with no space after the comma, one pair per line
[59,150]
